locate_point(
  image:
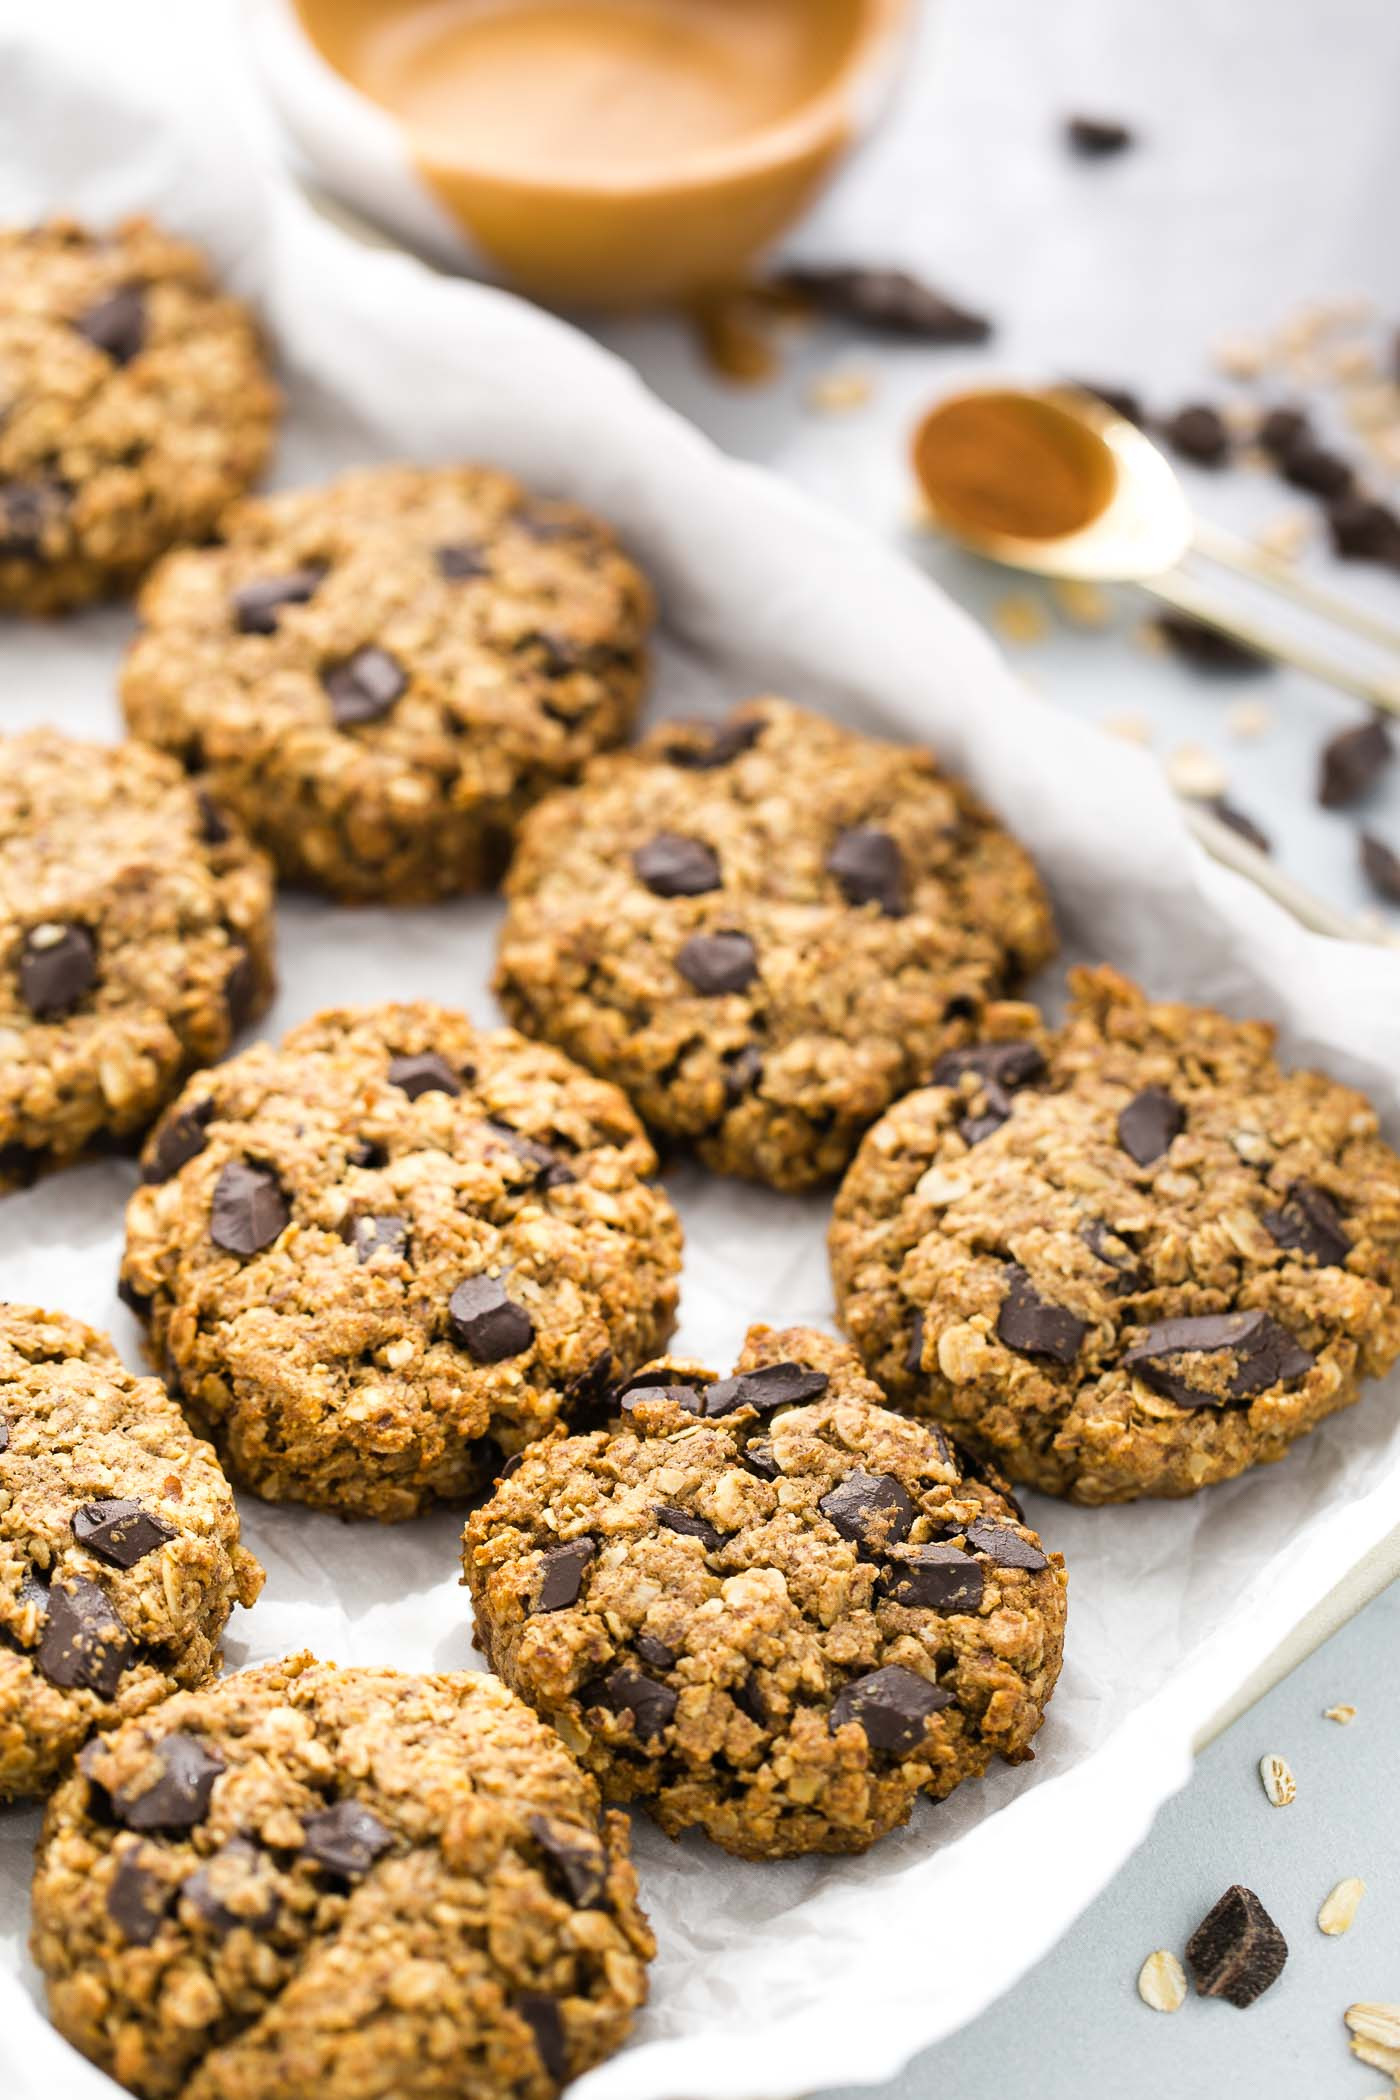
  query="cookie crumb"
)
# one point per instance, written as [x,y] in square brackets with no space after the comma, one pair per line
[1196,773]
[1162,1982]
[836,393]
[1020,619]
[1338,1912]
[1083,604]
[1248,719]
[1277,1776]
[1241,357]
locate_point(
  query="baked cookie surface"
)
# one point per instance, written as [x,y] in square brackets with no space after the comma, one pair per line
[136,407]
[381,1255]
[766,1605]
[765,930]
[1128,1257]
[381,675]
[346,1882]
[136,937]
[119,1552]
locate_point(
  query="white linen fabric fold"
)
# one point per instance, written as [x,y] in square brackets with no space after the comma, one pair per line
[770,1980]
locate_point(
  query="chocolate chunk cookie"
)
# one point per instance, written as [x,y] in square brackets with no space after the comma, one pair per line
[381,1255]
[766,1605]
[1128,1257]
[315,1880]
[134,407]
[382,675]
[766,930]
[135,940]
[119,1553]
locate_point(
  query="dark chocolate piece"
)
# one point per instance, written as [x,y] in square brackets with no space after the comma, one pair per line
[1236,1951]
[249,1210]
[1264,1354]
[575,1859]
[561,1573]
[1309,1222]
[874,1510]
[1035,1326]
[119,1532]
[892,1706]
[1147,1126]
[179,1797]
[490,1326]
[346,1839]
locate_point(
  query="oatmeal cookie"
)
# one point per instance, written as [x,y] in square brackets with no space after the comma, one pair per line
[766,931]
[766,1605]
[1127,1257]
[136,937]
[119,1553]
[345,1882]
[135,405]
[384,674]
[378,1257]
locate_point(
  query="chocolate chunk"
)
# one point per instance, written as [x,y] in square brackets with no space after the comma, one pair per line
[57,968]
[891,1706]
[1147,1126]
[625,1691]
[682,1522]
[179,1798]
[1004,1546]
[673,866]
[748,1697]
[486,1323]
[1098,1238]
[1034,1325]
[423,1073]
[85,1645]
[1237,820]
[760,1458]
[346,1839]
[561,1574]
[181,1137]
[1363,529]
[220,1890]
[651,1650]
[376,1235]
[777,1385]
[116,325]
[1009,1065]
[364,687]
[213,825]
[551,1172]
[542,2016]
[361,1153]
[1352,761]
[689,1397]
[873,1509]
[121,1533]
[241,990]
[1314,468]
[716,963]
[27,510]
[1207,648]
[257,606]
[1282,430]
[249,1210]
[869,868]
[1236,1951]
[888,302]
[575,1858]
[933,1578]
[139,1302]
[1095,138]
[1199,434]
[973,1466]
[914,1353]
[137,1899]
[461,562]
[715,745]
[1381,866]
[1264,1353]
[1310,1222]
[1118,398]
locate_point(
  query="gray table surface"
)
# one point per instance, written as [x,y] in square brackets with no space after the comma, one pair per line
[1264,179]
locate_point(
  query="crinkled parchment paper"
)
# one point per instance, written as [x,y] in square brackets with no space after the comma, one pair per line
[770,1980]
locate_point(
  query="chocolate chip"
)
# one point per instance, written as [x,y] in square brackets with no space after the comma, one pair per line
[1283,429]
[625,1691]
[1147,1126]
[116,325]
[748,1697]
[1381,866]
[576,1860]
[715,744]
[1362,529]
[561,1574]
[487,1324]
[179,1797]
[376,1235]
[973,1466]
[1095,138]
[891,1706]
[914,1352]
[869,869]
[85,1644]
[1312,467]
[1236,1951]
[361,1153]
[1009,1065]
[121,1533]
[1034,1325]
[1098,1238]
[1310,1222]
[889,302]
[933,1578]
[137,1899]
[589,1393]
[716,963]
[1352,761]
[461,561]
[57,968]
[1264,1353]
[27,510]
[257,606]
[1199,434]
[423,1073]
[241,990]
[219,1889]
[1236,820]
[1207,648]
[743,1070]
[364,687]
[213,828]
[651,1650]
[346,1839]
[542,2016]
[249,1210]
[689,1397]
[1118,398]
[1004,1546]
[687,1526]
[674,866]
[777,1385]
[551,1172]
[873,1509]
[758,1455]
[181,1137]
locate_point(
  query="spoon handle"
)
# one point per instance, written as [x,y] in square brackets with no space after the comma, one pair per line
[1214,544]
[1182,593]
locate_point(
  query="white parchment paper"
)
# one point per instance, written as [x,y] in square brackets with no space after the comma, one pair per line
[770,1980]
